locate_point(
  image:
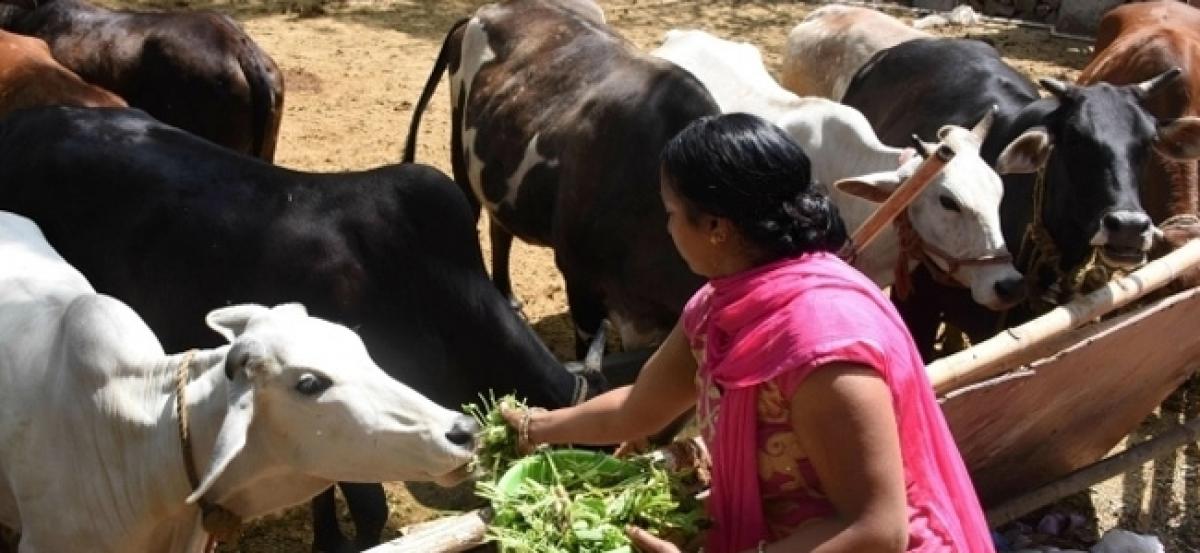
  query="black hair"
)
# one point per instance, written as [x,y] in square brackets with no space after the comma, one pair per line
[745,169]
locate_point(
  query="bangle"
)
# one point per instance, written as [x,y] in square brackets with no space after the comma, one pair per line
[523,440]
[523,431]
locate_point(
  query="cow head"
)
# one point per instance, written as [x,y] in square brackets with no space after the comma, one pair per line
[1092,142]
[957,216]
[307,398]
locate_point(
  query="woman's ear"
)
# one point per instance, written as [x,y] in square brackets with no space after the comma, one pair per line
[720,229]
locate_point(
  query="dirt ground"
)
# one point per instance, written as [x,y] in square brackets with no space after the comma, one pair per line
[353,71]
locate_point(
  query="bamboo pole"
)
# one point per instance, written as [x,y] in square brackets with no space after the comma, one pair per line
[993,357]
[1083,478]
[898,201]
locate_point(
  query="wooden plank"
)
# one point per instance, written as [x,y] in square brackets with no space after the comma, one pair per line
[444,535]
[1068,410]
[1162,444]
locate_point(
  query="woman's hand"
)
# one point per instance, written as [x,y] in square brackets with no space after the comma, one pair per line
[649,543]
[519,420]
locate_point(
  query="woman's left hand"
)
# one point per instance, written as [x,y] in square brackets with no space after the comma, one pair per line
[648,543]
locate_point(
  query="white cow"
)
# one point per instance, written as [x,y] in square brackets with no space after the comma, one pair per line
[825,49]
[957,214]
[92,457]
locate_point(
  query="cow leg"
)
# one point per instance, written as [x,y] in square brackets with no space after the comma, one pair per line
[369,509]
[327,536]
[588,313]
[501,248]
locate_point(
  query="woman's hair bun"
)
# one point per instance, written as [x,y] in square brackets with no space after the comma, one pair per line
[743,168]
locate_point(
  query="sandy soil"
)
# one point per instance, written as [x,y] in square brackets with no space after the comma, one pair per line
[354,70]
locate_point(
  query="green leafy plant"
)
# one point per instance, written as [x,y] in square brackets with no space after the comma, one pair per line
[496,448]
[575,501]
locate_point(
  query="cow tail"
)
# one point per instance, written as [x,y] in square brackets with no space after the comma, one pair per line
[265,100]
[439,67]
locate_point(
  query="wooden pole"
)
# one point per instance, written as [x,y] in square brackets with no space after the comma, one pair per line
[899,200]
[1085,477]
[444,535]
[988,358]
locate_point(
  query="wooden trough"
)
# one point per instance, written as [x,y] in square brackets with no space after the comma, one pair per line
[1049,398]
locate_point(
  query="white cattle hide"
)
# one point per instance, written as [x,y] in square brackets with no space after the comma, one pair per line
[826,49]
[92,458]
[842,147]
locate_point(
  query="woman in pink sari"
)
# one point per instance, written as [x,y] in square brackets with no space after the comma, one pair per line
[823,428]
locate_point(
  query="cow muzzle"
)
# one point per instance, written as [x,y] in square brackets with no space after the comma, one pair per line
[1124,238]
[462,432]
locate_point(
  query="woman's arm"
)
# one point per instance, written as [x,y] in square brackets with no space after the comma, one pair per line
[845,420]
[664,389]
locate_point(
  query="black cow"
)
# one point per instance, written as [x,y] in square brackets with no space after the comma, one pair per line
[175,226]
[558,125]
[198,71]
[1089,142]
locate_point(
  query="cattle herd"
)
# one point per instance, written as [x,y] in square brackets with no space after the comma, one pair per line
[140,214]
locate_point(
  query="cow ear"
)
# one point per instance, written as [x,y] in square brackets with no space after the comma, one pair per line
[1179,139]
[245,359]
[231,438]
[875,187]
[231,321]
[1026,153]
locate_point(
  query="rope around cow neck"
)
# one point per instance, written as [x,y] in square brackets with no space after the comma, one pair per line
[219,523]
[1039,253]
[912,246]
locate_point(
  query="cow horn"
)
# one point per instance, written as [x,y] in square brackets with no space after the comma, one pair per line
[980,130]
[1151,85]
[922,148]
[1055,86]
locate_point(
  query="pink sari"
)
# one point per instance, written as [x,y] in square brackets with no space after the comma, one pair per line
[798,314]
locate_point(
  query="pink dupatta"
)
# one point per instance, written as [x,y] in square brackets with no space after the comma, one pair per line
[748,342]
[794,315]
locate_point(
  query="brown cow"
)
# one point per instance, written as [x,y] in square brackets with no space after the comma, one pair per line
[1138,41]
[198,71]
[29,77]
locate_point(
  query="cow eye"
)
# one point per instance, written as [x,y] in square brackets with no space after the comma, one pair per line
[949,203]
[312,384]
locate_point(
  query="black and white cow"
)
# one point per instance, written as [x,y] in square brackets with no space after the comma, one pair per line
[1088,142]
[558,125]
[176,226]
